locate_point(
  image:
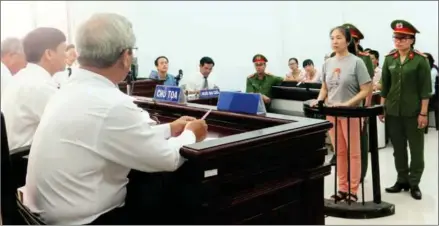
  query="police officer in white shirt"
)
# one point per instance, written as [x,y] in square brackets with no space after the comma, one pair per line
[200,80]
[91,135]
[25,98]
[12,60]
[71,56]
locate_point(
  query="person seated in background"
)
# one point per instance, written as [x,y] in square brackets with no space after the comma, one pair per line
[161,74]
[91,135]
[71,56]
[295,74]
[434,72]
[311,74]
[375,57]
[200,80]
[13,60]
[26,97]
[261,82]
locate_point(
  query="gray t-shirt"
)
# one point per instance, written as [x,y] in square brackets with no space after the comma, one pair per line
[343,77]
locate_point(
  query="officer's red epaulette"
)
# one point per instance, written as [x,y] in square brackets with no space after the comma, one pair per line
[363,53]
[392,52]
[420,53]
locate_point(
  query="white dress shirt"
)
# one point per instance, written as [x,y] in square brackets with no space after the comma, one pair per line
[62,77]
[195,82]
[89,138]
[6,77]
[23,103]
[433,80]
[377,75]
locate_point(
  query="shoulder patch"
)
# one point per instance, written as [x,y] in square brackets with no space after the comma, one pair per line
[420,53]
[363,53]
[266,73]
[392,52]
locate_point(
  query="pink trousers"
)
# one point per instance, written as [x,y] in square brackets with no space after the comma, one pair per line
[341,148]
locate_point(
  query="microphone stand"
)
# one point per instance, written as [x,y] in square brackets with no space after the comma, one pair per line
[129,83]
[179,76]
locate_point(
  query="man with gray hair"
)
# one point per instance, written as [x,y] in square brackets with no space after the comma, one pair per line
[91,135]
[13,60]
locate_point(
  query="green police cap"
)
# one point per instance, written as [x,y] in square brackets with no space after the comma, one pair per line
[403,27]
[355,32]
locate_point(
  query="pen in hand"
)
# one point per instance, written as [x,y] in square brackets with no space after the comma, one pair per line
[205,115]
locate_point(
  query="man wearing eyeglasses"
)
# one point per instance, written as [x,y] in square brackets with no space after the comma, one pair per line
[261,82]
[91,135]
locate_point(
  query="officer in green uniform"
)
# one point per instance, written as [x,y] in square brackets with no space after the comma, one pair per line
[365,56]
[357,35]
[261,82]
[406,89]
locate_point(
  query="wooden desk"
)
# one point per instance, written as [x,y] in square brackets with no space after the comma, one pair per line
[143,88]
[261,169]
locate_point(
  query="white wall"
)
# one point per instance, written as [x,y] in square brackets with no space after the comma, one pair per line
[232,32]
[16,19]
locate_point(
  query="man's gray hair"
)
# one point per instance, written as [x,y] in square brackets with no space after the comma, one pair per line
[11,45]
[101,39]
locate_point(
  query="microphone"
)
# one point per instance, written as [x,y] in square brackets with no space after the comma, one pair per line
[179,76]
[129,83]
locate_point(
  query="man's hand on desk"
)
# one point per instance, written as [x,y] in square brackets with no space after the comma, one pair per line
[199,128]
[178,125]
[265,99]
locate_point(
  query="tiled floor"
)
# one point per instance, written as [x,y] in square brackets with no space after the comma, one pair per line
[407,210]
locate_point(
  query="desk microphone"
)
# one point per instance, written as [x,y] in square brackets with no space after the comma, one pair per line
[179,76]
[129,83]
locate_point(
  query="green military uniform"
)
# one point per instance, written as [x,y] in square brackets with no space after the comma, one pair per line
[356,34]
[262,86]
[405,85]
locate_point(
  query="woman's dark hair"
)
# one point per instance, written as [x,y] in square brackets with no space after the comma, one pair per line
[431,61]
[295,59]
[307,62]
[36,42]
[414,41]
[375,54]
[156,61]
[347,34]
[360,48]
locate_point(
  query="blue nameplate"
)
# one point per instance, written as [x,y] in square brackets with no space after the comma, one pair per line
[209,93]
[171,94]
[248,103]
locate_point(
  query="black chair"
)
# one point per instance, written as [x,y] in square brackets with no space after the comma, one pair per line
[9,208]
[12,209]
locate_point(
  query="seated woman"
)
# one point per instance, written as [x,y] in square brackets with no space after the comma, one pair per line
[161,64]
[310,74]
[295,74]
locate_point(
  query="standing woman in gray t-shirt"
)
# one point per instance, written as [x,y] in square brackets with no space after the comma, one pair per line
[346,83]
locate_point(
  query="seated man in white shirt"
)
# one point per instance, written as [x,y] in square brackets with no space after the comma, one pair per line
[24,100]
[13,60]
[91,135]
[200,80]
[71,56]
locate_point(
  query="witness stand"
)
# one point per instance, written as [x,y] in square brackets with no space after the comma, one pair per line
[361,209]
